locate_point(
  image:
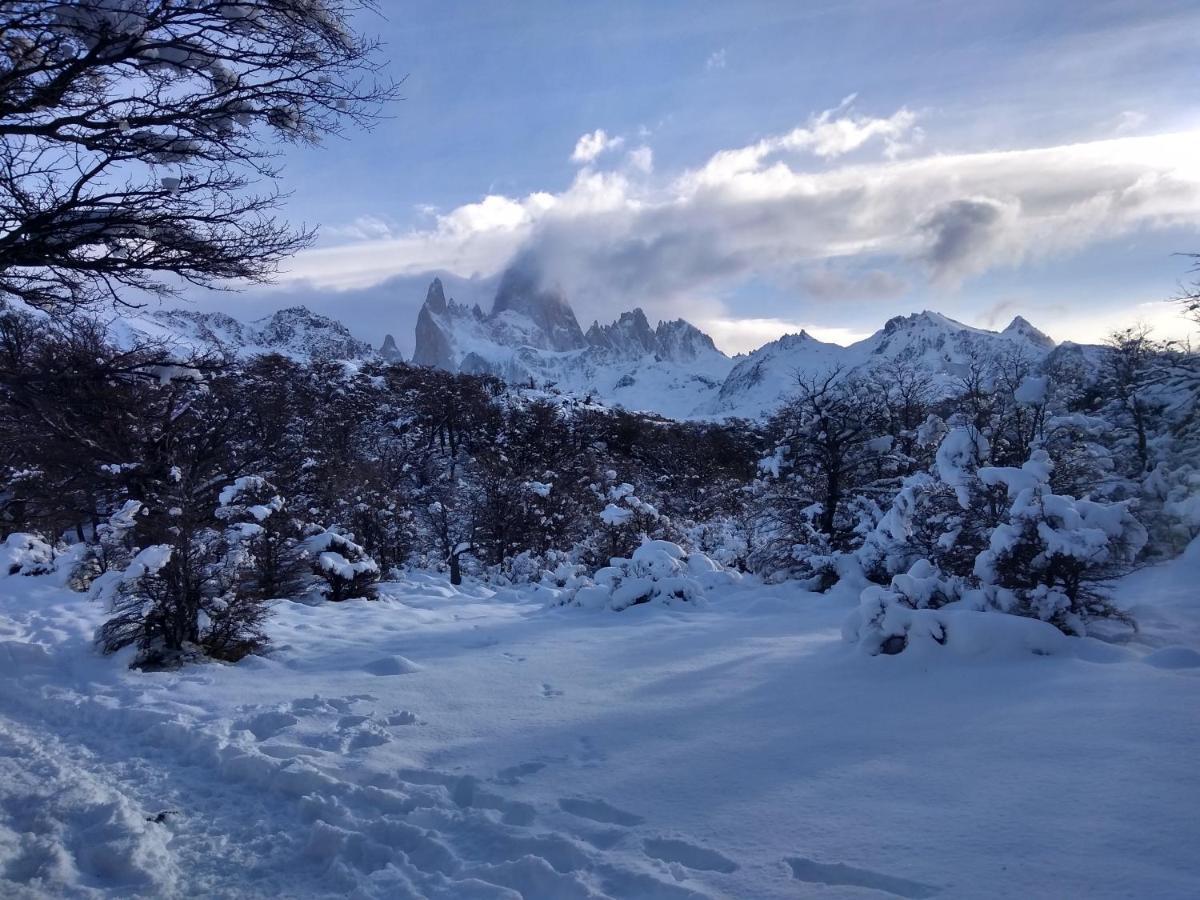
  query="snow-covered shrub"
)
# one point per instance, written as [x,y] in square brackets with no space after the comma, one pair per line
[1173,505]
[1053,553]
[657,572]
[883,621]
[805,555]
[886,624]
[344,566]
[270,559]
[25,554]
[111,549]
[179,602]
[528,567]
[726,540]
[944,516]
[627,519]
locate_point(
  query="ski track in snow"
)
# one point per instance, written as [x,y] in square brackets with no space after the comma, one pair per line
[449,743]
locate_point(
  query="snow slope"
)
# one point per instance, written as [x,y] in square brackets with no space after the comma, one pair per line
[462,743]
[927,341]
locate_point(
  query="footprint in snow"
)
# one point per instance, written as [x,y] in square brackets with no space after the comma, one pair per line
[599,811]
[513,658]
[514,774]
[268,724]
[689,855]
[549,691]
[813,872]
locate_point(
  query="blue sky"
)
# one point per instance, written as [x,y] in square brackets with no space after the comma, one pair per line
[761,167]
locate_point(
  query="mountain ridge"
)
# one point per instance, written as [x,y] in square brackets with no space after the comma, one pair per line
[531,337]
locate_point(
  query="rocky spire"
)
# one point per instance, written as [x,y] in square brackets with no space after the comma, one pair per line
[389,351]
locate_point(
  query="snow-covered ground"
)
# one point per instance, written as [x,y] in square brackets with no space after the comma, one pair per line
[464,744]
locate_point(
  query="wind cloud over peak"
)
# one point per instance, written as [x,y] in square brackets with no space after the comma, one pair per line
[788,206]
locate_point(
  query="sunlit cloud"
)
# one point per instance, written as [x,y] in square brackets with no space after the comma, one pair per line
[787,209]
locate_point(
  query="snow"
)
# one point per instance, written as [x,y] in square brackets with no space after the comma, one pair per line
[1032,390]
[958,455]
[615,515]
[461,742]
[25,554]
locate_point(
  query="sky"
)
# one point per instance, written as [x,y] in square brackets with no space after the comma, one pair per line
[761,167]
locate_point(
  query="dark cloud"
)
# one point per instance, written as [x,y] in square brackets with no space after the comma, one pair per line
[962,236]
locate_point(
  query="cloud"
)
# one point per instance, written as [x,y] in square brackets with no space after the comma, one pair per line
[827,283]
[743,335]
[965,236]
[591,145]
[613,240]
[716,60]
[1129,121]
[363,228]
[641,159]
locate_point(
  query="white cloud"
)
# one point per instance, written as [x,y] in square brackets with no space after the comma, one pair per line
[1129,121]
[716,60]
[641,159]
[363,228]
[614,241]
[744,335]
[591,145]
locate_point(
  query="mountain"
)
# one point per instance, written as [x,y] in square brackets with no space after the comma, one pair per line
[531,336]
[928,341]
[296,332]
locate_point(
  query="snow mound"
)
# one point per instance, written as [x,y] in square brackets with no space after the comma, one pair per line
[1173,658]
[658,572]
[25,554]
[391,665]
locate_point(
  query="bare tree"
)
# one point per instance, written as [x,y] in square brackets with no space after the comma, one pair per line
[137,136]
[1189,297]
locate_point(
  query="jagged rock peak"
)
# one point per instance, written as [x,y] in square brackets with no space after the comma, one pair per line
[389,351]
[435,297]
[681,341]
[521,292]
[630,335]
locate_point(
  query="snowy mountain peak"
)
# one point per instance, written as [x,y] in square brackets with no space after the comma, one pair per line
[1020,329]
[522,301]
[630,335]
[681,341]
[296,332]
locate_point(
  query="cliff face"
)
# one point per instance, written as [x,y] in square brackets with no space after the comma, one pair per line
[434,346]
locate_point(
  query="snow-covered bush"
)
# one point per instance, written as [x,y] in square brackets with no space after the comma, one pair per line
[627,519]
[944,516]
[657,572]
[111,549]
[265,540]
[883,621]
[1052,555]
[179,602]
[25,554]
[344,567]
